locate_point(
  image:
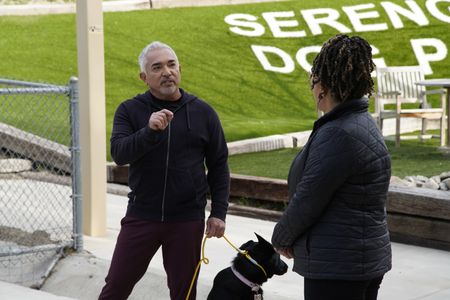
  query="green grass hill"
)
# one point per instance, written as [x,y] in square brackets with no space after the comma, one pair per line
[218,64]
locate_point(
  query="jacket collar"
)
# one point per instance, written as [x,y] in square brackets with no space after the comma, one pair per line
[342,109]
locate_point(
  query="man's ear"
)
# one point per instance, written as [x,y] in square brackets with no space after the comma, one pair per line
[179,68]
[143,76]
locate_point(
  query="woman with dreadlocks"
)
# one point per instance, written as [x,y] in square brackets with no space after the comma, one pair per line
[335,224]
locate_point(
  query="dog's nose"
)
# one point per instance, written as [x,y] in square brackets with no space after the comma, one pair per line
[281,268]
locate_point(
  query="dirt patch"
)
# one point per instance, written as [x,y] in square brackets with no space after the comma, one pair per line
[24,238]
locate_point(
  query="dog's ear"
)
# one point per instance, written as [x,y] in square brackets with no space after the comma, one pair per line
[247,245]
[262,241]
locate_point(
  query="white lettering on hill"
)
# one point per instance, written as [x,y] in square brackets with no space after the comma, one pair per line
[424,58]
[363,18]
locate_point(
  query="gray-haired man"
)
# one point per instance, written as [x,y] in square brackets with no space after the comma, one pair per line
[167,136]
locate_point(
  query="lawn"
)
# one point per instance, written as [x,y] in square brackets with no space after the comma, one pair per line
[412,158]
[218,65]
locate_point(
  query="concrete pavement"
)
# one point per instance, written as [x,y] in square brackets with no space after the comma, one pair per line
[9,291]
[418,273]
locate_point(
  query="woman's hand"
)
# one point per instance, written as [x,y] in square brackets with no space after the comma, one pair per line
[286,252]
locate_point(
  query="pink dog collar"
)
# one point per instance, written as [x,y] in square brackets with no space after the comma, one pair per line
[255,287]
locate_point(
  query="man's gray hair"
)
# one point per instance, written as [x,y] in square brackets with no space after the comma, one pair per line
[142,60]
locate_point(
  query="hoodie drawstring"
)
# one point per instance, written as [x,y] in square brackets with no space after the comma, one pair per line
[187,117]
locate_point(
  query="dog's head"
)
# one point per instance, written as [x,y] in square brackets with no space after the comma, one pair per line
[265,255]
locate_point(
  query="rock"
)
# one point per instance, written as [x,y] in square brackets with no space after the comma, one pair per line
[439,182]
[436,179]
[15,165]
[418,180]
[397,181]
[410,179]
[443,186]
[444,175]
[431,184]
[421,178]
[447,183]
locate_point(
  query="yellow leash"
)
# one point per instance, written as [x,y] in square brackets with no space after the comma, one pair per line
[245,253]
[205,260]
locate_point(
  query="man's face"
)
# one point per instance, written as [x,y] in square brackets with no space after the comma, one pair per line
[162,74]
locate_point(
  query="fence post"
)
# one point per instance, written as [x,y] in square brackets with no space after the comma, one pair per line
[76,165]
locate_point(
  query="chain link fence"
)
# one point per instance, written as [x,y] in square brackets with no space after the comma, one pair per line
[40,213]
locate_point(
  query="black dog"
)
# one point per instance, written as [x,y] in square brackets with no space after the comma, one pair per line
[244,278]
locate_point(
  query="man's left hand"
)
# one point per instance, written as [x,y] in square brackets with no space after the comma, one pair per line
[215,227]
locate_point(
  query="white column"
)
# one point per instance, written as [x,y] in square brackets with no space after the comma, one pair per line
[91,76]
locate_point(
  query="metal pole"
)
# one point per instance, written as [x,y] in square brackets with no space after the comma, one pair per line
[77,198]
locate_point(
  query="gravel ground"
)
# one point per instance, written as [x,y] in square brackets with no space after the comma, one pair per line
[24,238]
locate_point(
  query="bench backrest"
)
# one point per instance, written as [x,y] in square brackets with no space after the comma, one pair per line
[401,80]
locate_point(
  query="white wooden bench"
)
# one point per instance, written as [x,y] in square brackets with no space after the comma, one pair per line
[395,88]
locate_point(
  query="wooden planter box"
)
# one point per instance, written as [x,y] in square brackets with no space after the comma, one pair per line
[416,216]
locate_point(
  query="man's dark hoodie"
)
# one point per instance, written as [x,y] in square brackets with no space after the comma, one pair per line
[167,168]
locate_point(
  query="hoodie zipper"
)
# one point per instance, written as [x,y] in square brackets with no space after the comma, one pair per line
[166,174]
[168,149]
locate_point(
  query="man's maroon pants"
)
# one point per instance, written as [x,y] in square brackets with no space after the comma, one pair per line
[138,242]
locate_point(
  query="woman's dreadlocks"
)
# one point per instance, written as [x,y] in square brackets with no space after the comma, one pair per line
[343,66]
